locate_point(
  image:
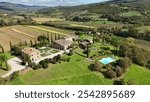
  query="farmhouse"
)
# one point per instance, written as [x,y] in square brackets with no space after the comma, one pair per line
[62,44]
[71,37]
[32,53]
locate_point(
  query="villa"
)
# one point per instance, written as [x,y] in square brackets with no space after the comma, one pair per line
[32,53]
[64,43]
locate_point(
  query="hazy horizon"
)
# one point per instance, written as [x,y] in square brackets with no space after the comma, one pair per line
[53,2]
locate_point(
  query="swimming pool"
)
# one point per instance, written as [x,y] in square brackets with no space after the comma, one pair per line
[107,60]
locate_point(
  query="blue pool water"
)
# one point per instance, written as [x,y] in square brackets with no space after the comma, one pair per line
[107,60]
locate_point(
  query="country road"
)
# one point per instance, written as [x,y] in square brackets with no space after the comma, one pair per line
[15,64]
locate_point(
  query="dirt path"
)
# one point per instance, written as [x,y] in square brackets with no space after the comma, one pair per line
[17,31]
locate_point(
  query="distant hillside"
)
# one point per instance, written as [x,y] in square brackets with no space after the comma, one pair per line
[112,6]
[6,6]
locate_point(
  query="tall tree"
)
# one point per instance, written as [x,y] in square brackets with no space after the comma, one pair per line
[31,42]
[87,50]
[52,38]
[25,43]
[55,36]
[59,37]
[48,37]
[2,48]
[10,44]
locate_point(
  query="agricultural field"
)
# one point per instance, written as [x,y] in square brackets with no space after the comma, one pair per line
[131,13]
[65,73]
[138,75]
[95,24]
[46,19]
[142,44]
[18,33]
[143,28]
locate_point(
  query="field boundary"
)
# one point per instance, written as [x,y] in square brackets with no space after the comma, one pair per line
[52,31]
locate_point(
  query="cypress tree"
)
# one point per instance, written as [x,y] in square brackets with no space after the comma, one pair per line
[10,45]
[52,38]
[59,37]
[48,37]
[36,44]
[93,38]
[3,49]
[26,43]
[87,51]
[20,44]
[55,36]
[5,60]
[31,42]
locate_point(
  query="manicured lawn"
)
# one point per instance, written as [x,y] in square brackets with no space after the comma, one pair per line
[75,72]
[54,51]
[139,75]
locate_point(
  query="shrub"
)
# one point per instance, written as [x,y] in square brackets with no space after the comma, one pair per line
[148,65]
[23,63]
[2,81]
[14,76]
[96,66]
[46,60]
[119,82]
[54,60]
[70,53]
[50,60]
[32,65]
[65,59]
[45,66]
[118,71]
[58,58]
[110,74]
[124,63]
[37,67]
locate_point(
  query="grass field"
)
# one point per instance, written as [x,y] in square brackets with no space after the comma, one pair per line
[143,44]
[98,24]
[46,19]
[66,73]
[8,56]
[143,28]
[89,24]
[140,43]
[131,13]
[138,75]
[18,33]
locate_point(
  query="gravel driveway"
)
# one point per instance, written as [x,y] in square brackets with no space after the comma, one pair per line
[15,64]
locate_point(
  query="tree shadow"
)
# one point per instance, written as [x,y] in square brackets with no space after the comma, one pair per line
[80,54]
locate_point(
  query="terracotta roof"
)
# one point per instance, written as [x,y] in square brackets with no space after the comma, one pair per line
[30,50]
[64,42]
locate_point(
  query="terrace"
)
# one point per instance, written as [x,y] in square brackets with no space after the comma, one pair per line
[46,51]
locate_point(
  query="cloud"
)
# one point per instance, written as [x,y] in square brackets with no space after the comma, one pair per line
[51,2]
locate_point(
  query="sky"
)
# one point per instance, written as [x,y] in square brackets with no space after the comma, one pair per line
[53,2]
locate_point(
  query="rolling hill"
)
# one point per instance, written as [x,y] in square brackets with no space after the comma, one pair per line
[112,6]
[6,6]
